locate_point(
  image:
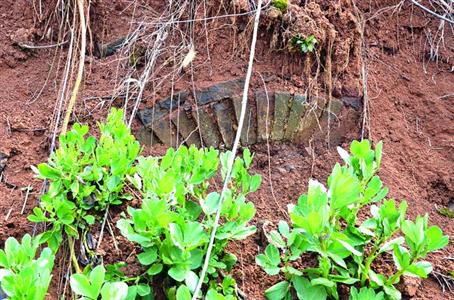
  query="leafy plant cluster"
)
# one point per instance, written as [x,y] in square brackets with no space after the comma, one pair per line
[86,175]
[304,44]
[176,216]
[282,5]
[22,276]
[170,227]
[325,222]
[172,223]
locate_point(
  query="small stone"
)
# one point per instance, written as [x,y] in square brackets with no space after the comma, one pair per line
[174,102]
[219,91]
[282,170]
[296,113]
[335,108]
[249,131]
[281,111]
[264,114]
[410,285]
[225,122]
[146,137]
[353,102]
[208,128]
[311,118]
[187,128]
[3,161]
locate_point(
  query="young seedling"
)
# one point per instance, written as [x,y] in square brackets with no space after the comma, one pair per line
[86,176]
[93,285]
[304,45]
[173,223]
[325,222]
[22,276]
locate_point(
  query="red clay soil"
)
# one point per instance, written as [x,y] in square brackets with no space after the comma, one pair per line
[408,110]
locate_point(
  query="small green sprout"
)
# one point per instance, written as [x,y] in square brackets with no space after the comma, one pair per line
[304,45]
[282,5]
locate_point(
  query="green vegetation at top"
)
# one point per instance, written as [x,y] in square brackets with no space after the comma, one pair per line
[325,222]
[282,5]
[302,44]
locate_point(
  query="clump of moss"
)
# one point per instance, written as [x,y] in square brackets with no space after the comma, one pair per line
[444,211]
[282,5]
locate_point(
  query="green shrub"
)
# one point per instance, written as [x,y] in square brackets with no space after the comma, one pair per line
[177,213]
[282,5]
[22,276]
[302,44]
[325,222]
[92,285]
[86,175]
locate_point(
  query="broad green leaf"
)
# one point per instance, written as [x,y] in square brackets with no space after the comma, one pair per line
[284,229]
[178,273]
[82,287]
[114,291]
[113,182]
[148,257]
[191,281]
[276,239]
[435,239]
[155,269]
[389,245]
[305,290]
[392,292]
[278,291]
[419,269]
[97,276]
[167,183]
[344,187]
[183,293]
[211,203]
[323,281]
[256,180]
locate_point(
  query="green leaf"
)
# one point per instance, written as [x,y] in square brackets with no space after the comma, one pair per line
[113,182]
[278,291]
[256,181]
[305,290]
[167,183]
[82,287]
[419,269]
[148,257]
[143,289]
[176,234]
[389,245]
[323,281]
[183,293]
[89,219]
[191,281]
[284,229]
[344,187]
[114,291]
[276,239]
[392,292]
[155,269]
[178,272]
[435,239]
[211,203]
[270,260]
[48,172]
[97,276]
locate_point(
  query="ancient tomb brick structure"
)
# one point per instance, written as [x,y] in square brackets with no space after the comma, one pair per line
[210,116]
